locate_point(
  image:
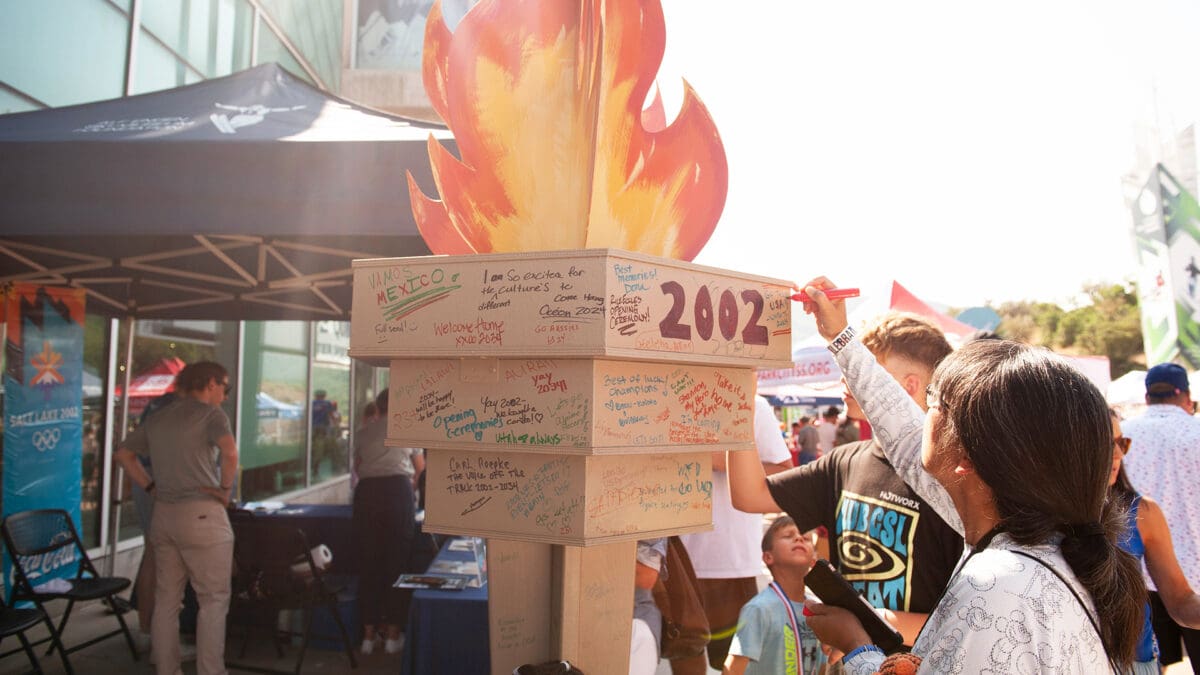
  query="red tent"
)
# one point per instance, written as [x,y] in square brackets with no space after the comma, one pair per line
[904,301]
[156,380]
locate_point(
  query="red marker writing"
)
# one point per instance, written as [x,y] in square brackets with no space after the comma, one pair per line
[831,293]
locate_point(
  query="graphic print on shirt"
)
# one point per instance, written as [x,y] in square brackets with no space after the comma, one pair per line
[874,543]
[791,660]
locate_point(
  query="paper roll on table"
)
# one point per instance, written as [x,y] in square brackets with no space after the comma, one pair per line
[321,557]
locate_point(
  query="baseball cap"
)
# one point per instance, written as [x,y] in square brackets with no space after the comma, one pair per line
[1166,379]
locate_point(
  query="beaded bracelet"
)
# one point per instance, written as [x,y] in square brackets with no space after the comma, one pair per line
[860,650]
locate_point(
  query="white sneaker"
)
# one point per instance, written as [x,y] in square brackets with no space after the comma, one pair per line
[394,646]
[368,645]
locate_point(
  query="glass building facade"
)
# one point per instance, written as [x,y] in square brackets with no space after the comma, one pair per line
[297,395]
[63,52]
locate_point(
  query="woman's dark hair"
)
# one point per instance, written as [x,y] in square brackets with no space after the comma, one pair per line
[197,376]
[1038,433]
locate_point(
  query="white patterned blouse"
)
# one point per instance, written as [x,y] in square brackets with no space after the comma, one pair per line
[1003,611]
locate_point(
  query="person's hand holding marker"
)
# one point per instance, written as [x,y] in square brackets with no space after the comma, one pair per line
[831,293]
[829,312]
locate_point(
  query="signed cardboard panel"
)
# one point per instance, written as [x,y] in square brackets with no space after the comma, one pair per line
[576,500]
[520,602]
[570,406]
[592,302]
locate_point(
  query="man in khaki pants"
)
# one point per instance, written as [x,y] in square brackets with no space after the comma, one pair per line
[190,532]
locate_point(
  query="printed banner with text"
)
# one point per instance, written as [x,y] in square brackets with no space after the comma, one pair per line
[43,391]
[1181,228]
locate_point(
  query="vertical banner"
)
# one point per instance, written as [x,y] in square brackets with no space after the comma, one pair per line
[43,404]
[1181,229]
[1159,329]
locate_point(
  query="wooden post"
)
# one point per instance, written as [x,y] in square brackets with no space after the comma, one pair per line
[520,602]
[594,605]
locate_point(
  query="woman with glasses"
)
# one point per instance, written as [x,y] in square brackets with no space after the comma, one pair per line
[1041,586]
[1149,540]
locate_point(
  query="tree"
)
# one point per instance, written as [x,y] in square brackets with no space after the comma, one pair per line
[1027,321]
[1108,325]
[1111,325]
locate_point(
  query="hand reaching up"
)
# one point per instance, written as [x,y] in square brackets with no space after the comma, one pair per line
[830,314]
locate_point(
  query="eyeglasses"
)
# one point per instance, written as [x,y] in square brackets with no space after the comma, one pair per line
[931,398]
[1122,443]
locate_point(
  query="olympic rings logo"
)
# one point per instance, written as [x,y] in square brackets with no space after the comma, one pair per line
[46,439]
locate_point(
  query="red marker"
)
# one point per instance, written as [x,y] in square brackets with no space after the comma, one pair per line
[831,293]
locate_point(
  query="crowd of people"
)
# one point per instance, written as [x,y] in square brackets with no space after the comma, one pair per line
[998,518]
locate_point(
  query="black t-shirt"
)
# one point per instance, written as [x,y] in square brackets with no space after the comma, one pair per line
[884,539]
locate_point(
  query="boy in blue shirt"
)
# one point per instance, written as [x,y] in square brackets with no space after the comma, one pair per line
[772,636]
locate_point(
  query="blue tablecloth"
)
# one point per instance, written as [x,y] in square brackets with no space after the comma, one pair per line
[448,630]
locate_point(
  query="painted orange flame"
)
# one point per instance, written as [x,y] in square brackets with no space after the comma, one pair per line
[545,101]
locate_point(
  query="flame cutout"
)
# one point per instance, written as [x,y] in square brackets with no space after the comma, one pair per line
[545,101]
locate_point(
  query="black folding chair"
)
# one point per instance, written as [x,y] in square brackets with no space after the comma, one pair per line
[35,537]
[15,621]
[274,571]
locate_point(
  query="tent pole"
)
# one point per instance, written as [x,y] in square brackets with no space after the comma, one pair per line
[110,388]
[115,509]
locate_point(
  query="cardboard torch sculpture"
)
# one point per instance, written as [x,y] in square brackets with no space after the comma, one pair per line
[545,99]
[567,373]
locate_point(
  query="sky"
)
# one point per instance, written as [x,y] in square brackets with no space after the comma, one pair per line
[972,151]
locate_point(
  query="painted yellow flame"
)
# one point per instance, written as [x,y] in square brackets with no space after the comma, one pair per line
[545,101]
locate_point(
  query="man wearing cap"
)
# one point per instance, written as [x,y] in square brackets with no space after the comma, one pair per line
[1164,463]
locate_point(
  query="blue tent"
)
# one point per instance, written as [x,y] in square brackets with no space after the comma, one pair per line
[786,400]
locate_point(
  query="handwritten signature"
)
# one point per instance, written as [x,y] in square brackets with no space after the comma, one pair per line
[476,505]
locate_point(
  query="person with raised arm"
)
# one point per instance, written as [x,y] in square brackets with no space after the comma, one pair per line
[1042,585]
[883,538]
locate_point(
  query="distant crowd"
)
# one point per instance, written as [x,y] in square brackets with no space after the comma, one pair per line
[985,500]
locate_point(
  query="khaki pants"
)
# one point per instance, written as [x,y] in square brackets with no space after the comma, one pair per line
[192,541]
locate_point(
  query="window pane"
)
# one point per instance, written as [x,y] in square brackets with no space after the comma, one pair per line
[330,413]
[315,29]
[64,52]
[390,35]
[230,43]
[11,103]
[368,382]
[212,35]
[271,49]
[274,410]
[181,25]
[160,350]
[157,68]
[95,369]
